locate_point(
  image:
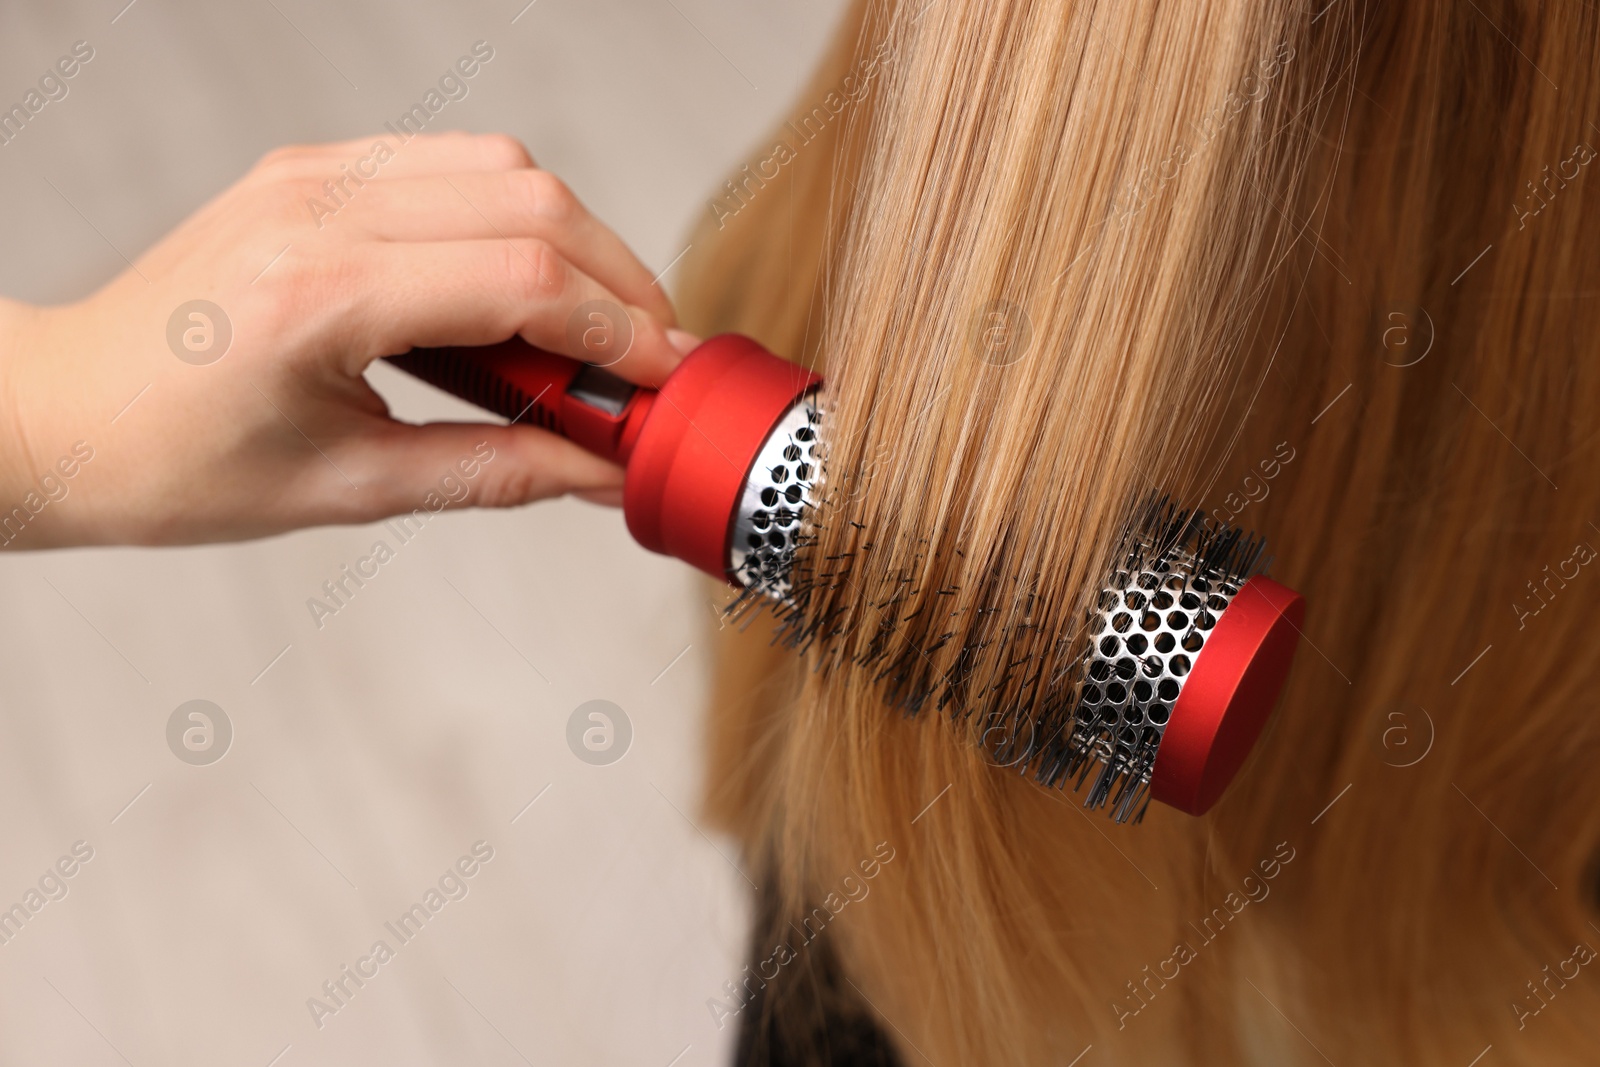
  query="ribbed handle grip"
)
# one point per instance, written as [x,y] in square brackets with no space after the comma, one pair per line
[582,403]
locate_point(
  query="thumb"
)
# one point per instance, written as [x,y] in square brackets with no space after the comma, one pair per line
[472,464]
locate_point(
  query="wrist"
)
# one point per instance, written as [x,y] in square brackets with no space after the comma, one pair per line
[18,328]
[29,480]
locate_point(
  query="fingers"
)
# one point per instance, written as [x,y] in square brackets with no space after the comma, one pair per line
[608,498]
[515,203]
[465,293]
[384,155]
[453,465]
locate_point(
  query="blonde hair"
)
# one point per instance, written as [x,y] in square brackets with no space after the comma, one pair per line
[1210,220]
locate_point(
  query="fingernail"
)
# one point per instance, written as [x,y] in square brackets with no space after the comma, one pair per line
[684,341]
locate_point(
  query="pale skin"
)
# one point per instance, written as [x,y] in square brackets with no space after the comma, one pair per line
[460,240]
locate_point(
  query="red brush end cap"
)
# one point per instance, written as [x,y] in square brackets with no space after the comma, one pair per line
[1228,695]
[688,468]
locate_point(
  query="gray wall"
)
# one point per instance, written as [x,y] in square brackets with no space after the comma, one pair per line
[371,754]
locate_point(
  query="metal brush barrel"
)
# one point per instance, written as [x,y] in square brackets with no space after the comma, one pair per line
[1148,627]
[1151,621]
[1102,723]
[778,495]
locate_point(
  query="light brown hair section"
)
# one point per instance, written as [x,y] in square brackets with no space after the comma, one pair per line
[1386,180]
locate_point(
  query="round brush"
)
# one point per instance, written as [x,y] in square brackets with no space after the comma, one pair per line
[1183,656]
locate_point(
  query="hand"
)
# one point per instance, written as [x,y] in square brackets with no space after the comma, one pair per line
[128,418]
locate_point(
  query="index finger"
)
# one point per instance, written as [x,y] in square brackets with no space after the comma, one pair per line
[468,293]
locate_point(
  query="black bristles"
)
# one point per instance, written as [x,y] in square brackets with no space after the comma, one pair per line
[1035,711]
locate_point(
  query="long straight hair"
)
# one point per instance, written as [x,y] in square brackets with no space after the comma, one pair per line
[1328,273]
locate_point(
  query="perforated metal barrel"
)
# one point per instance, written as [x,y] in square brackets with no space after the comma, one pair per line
[707,439]
[1182,668]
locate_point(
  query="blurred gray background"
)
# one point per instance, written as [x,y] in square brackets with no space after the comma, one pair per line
[369,756]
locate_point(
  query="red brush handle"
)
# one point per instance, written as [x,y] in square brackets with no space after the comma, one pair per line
[688,447]
[582,403]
